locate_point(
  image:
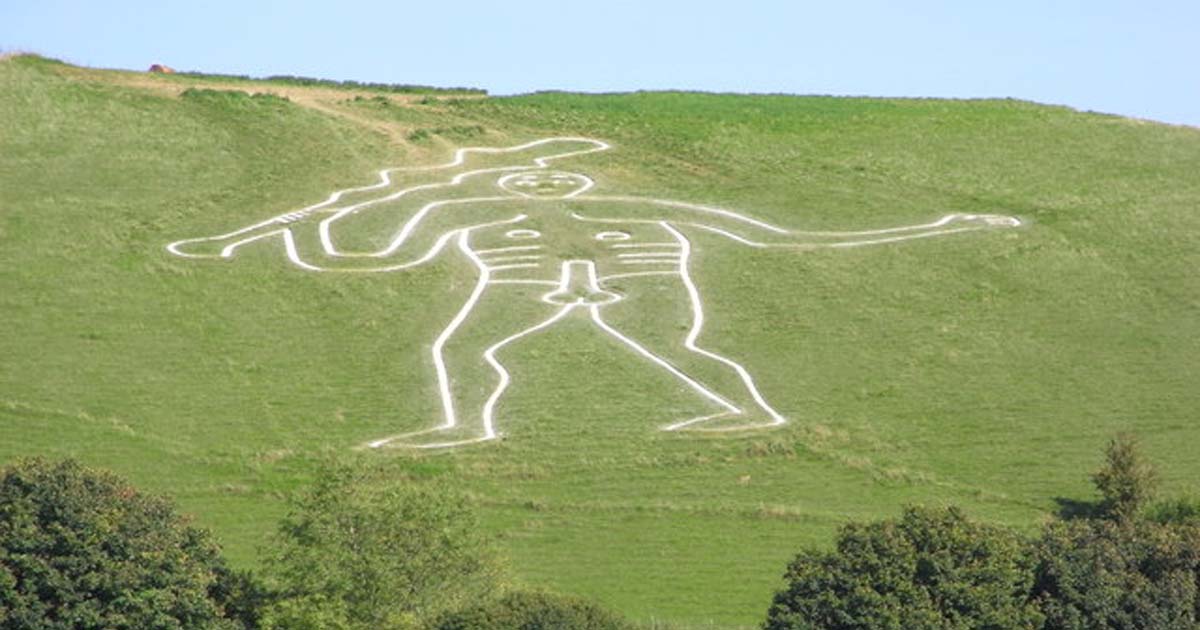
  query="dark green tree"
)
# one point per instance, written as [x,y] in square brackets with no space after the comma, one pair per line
[361,549]
[1126,480]
[1105,574]
[932,569]
[533,611]
[1118,570]
[81,549]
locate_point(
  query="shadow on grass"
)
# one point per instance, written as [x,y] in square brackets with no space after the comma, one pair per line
[1074,509]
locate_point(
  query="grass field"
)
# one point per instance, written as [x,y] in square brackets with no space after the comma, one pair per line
[983,369]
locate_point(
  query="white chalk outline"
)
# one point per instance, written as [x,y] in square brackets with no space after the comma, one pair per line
[575,274]
[460,157]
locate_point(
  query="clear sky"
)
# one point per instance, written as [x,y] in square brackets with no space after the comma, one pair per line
[1136,58]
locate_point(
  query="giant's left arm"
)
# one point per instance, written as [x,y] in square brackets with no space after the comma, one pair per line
[756,233]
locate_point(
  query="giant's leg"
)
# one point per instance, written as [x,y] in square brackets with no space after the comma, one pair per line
[650,322]
[469,376]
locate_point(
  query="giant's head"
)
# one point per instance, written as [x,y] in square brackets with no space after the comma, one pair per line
[546,184]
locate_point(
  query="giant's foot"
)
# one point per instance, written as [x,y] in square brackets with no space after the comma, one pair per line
[440,437]
[728,421]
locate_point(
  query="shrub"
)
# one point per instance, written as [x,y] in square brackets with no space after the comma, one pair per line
[1111,570]
[533,611]
[1177,511]
[358,550]
[931,569]
[1126,480]
[358,85]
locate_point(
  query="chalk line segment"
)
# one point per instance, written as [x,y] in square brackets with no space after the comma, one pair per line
[513,248]
[663,363]
[698,325]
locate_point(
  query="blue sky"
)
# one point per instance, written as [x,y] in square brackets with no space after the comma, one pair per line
[1132,58]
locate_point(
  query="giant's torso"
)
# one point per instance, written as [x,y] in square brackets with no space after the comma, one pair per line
[551,234]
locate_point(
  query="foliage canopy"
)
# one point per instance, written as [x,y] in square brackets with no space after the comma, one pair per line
[80,549]
[931,569]
[357,550]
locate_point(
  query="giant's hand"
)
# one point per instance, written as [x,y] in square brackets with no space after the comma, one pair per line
[981,220]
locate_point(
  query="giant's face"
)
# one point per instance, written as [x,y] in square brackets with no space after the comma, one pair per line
[546,184]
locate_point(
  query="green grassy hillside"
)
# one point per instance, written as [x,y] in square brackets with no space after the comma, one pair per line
[985,369]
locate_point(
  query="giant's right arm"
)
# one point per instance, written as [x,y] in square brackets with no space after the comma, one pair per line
[418,240]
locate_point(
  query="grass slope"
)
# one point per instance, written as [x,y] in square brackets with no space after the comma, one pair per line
[985,370]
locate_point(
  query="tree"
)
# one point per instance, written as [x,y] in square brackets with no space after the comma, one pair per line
[1118,570]
[1126,480]
[532,611]
[81,549]
[931,569]
[1119,575]
[358,550]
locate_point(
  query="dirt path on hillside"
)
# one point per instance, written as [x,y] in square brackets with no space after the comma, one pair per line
[327,100]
